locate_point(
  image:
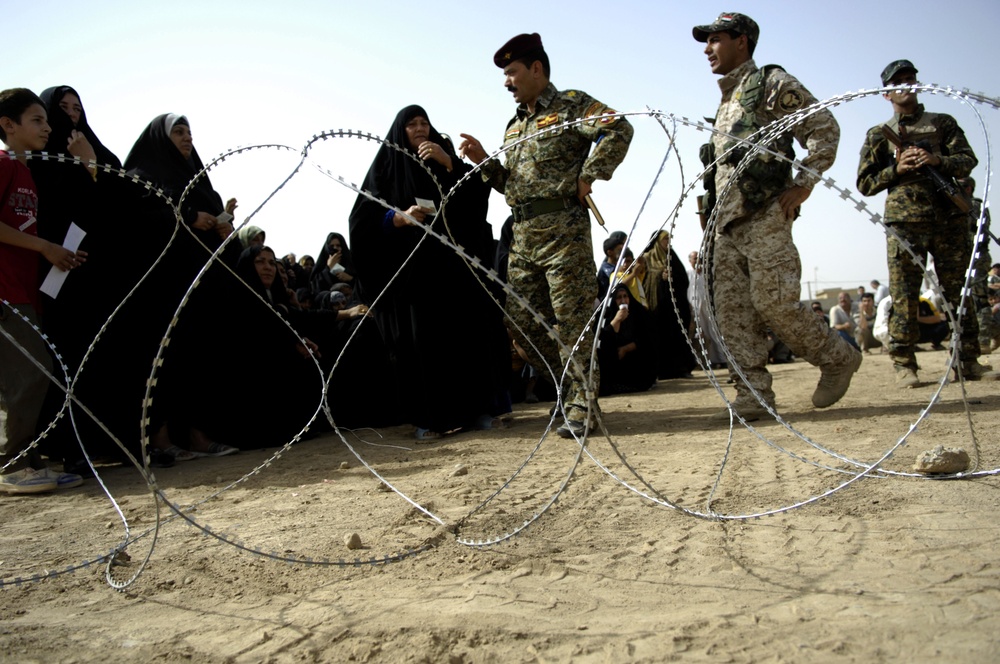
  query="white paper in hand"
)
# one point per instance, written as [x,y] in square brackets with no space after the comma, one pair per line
[56,277]
[427,203]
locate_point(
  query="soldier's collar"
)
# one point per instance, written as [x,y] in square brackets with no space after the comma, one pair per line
[544,100]
[548,94]
[733,78]
[911,117]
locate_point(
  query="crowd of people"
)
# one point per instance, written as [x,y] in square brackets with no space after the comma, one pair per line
[207,342]
[241,341]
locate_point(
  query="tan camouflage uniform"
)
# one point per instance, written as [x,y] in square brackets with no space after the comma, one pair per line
[552,255]
[756,265]
[926,219]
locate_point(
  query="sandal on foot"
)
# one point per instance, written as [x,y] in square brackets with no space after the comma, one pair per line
[426,435]
[216,450]
[179,454]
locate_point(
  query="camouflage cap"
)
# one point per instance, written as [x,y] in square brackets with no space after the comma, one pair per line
[727,21]
[894,68]
[517,48]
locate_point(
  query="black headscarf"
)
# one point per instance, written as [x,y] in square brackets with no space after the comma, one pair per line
[154,157]
[320,278]
[400,180]
[62,125]
[637,370]
[68,192]
[247,271]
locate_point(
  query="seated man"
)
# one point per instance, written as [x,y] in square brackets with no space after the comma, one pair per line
[933,325]
[840,318]
[864,323]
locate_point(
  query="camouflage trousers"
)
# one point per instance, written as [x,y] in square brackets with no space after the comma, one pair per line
[949,242]
[552,267]
[980,291]
[757,286]
[22,385]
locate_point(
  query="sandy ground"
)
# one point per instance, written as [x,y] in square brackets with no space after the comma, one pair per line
[887,569]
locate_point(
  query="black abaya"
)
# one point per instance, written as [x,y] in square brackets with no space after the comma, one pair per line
[636,371]
[444,335]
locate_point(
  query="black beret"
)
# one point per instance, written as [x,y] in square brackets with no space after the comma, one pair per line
[517,48]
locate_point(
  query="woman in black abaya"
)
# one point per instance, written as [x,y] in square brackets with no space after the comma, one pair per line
[84,195]
[262,357]
[165,155]
[333,266]
[674,357]
[627,350]
[73,192]
[444,335]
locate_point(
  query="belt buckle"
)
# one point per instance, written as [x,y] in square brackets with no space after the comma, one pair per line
[528,210]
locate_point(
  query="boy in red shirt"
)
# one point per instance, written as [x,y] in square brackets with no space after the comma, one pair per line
[23,127]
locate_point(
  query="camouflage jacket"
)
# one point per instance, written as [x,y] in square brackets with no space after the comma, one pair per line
[549,164]
[913,197]
[783,95]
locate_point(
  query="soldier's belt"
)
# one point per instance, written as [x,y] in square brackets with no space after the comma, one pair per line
[531,209]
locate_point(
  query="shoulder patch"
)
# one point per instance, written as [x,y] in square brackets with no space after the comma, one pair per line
[599,113]
[790,100]
[512,134]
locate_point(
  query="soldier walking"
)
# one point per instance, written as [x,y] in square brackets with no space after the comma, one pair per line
[756,265]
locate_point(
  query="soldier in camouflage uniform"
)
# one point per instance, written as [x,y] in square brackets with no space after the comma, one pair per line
[922,216]
[756,265]
[544,180]
[981,266]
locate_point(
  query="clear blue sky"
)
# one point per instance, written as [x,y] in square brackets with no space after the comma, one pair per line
[251,72]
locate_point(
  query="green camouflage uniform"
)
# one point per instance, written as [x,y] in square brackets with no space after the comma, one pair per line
[982,264]
[552,255]
[927,220]
[756,265]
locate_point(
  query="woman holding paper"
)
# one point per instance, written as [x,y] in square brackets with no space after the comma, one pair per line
[334,265]
[164,154]
[442,331]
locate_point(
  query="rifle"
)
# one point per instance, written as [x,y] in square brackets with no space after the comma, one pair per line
[702,212]
[947,185]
